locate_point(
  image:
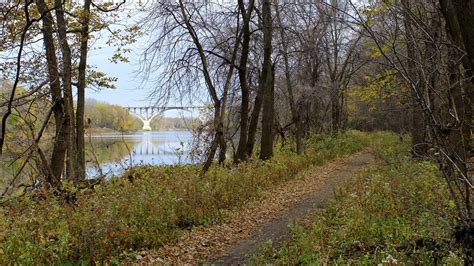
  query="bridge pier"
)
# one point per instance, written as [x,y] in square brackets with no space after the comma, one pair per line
[146,125]
[145,114]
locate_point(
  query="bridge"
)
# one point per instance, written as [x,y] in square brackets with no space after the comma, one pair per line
[147,113]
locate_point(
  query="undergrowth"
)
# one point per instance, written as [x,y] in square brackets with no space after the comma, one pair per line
[148,206]
[395,212]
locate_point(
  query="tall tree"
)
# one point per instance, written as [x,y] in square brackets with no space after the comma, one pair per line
[268,112]
[288,80]
[61,123]
[203,57]
[417,130]
[81,89]
[340,51]
[67,90]
[241,153]
[459,16]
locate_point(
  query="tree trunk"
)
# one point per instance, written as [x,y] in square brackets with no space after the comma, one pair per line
[222,149]
[335,107]
[418,127]
[459,16]
[289,86]
[81,88]
[465,16]
[219,134]
[241,153]
[268,123]
[257,108]
[67,87]
[61,136]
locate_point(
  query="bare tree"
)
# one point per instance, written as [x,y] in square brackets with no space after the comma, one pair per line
[246,12]
[289,84]
[340,45]
[203,54]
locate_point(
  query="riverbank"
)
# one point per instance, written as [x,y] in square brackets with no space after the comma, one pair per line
[151,206]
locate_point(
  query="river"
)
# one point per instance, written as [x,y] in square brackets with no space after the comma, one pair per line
[112,153]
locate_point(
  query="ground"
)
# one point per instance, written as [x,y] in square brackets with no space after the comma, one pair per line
[233,241]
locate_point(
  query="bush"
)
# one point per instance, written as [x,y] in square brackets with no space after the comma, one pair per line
[149,207]
[398,210]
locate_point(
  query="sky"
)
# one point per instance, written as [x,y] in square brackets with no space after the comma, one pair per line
[130,89]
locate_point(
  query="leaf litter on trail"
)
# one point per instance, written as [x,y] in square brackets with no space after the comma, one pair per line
[203,244]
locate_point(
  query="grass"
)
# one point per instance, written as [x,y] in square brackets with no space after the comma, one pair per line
[149,206]
[397,211]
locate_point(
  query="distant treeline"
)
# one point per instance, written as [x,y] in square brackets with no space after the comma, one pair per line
[115,117]
[173,123]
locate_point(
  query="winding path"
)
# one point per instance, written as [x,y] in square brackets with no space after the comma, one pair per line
[233,241]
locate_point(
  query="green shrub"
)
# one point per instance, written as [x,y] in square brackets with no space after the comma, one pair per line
[150,207]
[398,210]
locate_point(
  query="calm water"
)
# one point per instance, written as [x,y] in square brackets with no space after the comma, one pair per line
[114,153]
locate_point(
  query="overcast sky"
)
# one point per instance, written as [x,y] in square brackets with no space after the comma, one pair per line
[130,89]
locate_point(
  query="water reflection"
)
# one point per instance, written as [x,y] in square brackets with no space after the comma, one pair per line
[113,153]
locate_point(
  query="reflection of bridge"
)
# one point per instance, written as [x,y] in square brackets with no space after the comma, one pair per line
[152,150]
[147,113]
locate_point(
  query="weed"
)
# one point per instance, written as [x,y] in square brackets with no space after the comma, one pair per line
[149,208]
[396,211]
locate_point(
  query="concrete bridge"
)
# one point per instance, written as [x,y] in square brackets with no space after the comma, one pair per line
[147,113]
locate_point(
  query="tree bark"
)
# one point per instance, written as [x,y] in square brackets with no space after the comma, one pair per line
[254,118]
[335,106]
[459,16]
[60,142]
[81,87]
[67,93]
[268,123]
[241,153]
[218,136]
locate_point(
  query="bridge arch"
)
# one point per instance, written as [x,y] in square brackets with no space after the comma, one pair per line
[147,113]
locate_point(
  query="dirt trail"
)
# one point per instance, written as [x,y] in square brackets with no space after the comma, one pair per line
[277,229]
[235,240]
